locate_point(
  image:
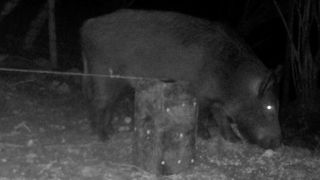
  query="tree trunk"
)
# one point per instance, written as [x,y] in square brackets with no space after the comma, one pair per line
[8,8]
[52,34]
[285,89]
[35,27]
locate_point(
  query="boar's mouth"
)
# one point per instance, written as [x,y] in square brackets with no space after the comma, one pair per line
[266,142]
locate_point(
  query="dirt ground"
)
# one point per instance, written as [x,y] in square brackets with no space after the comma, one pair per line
[45,134]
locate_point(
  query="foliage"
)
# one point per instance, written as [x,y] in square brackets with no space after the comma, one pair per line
[303,53]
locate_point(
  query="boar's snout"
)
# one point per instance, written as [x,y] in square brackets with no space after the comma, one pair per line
[270,143]
[268,140]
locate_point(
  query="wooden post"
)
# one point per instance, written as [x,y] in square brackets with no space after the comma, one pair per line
[165,125]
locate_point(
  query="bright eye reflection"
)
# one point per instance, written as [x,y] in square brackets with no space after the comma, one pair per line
[269,107]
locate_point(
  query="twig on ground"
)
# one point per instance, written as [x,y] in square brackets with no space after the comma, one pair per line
[22,125]
[6,145]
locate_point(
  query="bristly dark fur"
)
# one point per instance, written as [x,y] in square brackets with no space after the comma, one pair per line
[177,47]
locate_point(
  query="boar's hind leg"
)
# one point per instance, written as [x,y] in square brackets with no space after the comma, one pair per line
[105,94]
[223,122]
[203,122]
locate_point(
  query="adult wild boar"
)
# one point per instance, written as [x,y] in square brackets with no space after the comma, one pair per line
[225,76]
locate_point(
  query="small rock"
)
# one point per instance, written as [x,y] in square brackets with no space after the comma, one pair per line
[30,143]
[268,153]
[30,158]
[90,172]
[127,120]
[63,88]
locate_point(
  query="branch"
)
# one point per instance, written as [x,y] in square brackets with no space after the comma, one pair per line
[8,8]
[286,27]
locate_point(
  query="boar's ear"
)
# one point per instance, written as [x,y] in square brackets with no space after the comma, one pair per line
[266,84]
[270,81]
[278,72]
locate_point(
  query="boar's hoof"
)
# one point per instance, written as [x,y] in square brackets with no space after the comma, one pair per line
[230,134]
[204,133]
[105,133]
[231,137]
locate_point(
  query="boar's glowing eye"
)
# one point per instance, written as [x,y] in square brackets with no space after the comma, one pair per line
[269,107]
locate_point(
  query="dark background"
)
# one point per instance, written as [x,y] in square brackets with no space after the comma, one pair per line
[262,29]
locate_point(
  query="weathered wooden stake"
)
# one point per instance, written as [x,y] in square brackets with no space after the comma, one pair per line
[165,124]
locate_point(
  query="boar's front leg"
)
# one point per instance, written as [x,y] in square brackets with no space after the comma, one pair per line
[203,122]
[223,121]
[105,93]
